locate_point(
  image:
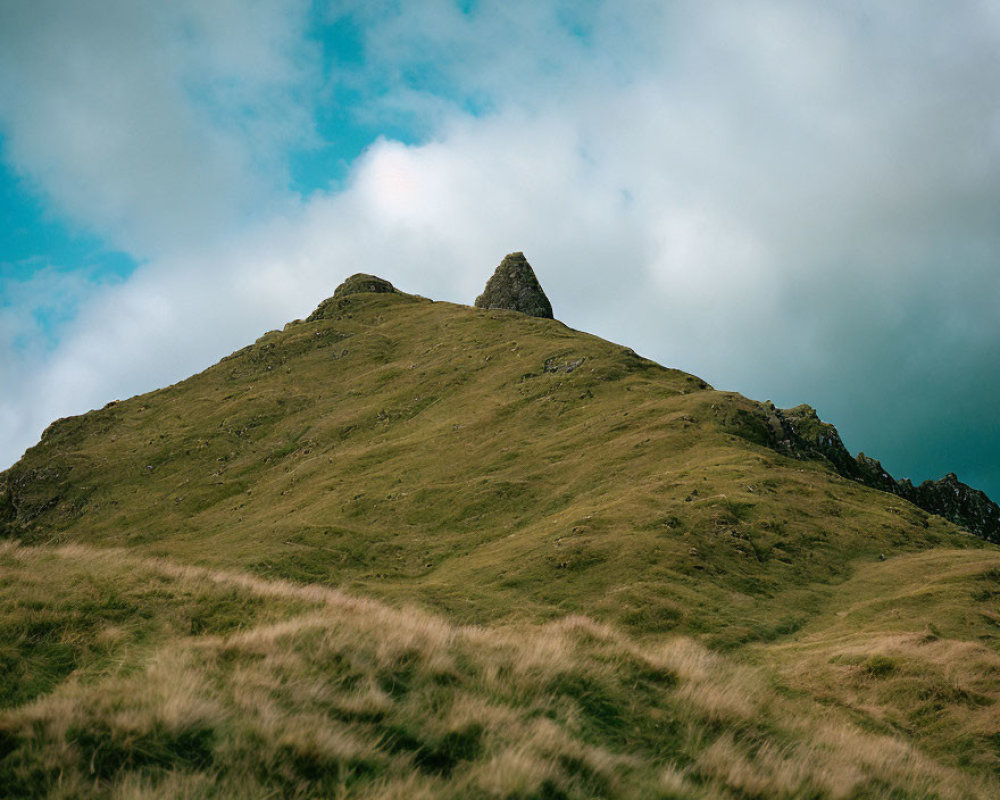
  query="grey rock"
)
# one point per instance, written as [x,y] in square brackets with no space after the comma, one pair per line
[515,287]
[958,502]
[359,283]
[800,433]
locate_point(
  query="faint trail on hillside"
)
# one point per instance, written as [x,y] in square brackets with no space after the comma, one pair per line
[310,593]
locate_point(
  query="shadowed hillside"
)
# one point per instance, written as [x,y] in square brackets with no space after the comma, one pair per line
[407,548]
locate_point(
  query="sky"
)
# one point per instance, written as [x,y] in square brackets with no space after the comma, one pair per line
[796,201]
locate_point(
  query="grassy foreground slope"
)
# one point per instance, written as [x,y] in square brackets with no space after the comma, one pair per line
[412,549]
[345,696]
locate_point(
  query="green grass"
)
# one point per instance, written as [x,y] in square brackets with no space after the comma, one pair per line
[913,645]
[435,459]
[331,695]
[66,616]
[403,550]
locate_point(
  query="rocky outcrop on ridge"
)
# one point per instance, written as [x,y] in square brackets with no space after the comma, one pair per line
[361,282]
[515,287]
[800,433]
[357,284]
[956,501]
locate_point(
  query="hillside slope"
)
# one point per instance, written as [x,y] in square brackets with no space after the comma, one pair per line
[393,445]
[498,470]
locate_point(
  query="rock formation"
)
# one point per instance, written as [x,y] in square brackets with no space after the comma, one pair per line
[360,282]
[515,287]
[357,284]
[800,433]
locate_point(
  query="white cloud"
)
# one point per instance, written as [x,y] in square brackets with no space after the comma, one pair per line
[153,123]
[794,201]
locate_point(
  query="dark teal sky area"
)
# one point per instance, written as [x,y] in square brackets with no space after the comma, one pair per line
[793,201]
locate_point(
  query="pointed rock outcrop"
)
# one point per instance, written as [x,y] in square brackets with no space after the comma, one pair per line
[515,287]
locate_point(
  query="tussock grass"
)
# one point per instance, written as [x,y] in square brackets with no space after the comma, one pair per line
[347,696]
[911,644]
[75,613]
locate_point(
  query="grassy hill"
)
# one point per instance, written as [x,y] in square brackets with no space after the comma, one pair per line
[414,549]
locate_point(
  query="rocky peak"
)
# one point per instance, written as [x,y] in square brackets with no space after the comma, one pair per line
[358,283]
[515,287]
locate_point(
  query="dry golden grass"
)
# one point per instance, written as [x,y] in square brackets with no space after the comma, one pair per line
[911,646]
[351,697]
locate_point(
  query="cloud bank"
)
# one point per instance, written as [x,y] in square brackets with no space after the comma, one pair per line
[795,202]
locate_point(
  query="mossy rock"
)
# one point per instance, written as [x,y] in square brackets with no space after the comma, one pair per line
[359,283]
[515,287]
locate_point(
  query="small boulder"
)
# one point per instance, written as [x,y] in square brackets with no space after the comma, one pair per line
[515,287]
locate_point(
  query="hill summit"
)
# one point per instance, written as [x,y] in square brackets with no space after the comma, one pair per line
[515,287]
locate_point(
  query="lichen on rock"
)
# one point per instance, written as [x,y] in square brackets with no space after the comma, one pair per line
[514,287]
